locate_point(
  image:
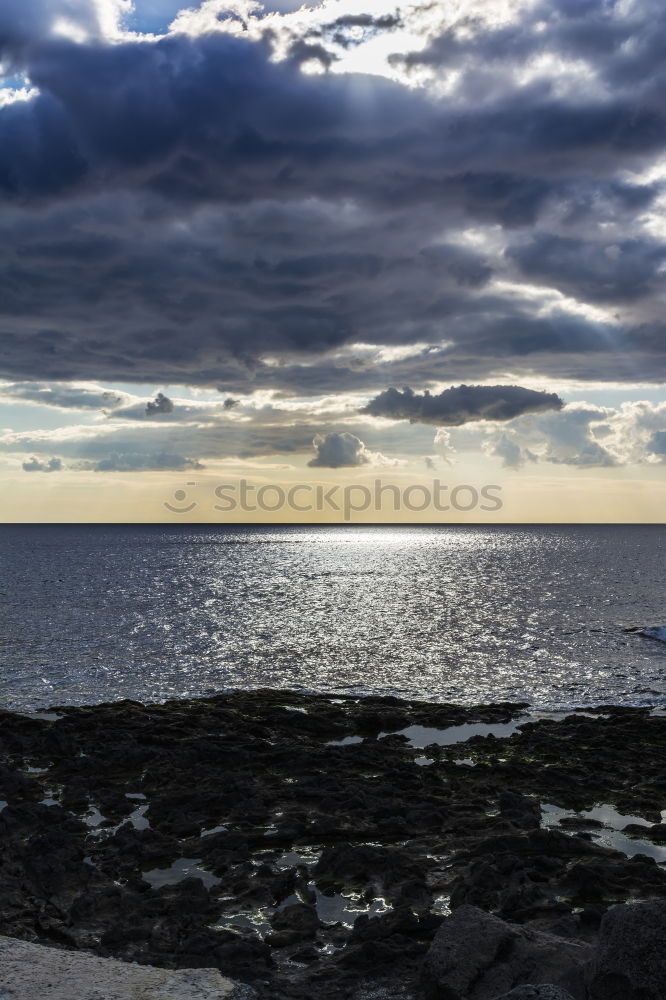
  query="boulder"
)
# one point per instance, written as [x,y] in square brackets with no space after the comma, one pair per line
[478,956]
[630,960]
[293,923]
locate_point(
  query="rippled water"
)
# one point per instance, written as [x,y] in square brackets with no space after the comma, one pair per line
[469,614]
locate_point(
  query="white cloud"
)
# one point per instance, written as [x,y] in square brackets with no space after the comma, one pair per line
[583,435]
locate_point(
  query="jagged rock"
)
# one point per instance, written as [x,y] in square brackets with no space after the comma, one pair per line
[477,956]
[295,922]
[630,960]
[520,810]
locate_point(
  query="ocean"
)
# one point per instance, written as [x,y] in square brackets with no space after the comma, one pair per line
[93,613]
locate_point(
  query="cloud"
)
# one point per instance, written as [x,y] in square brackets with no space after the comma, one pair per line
[461,404]
[302,207]
[194,208]
[444,444]
[135,444]
[337,450]
[593,270]
[34,465]
[62,395]
[580,436]
[25,24]
[161,404]
[139,462]
[657,444]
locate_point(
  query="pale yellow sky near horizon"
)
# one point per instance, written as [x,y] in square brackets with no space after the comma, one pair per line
[557,495]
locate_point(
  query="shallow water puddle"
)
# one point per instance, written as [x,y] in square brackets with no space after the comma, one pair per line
[423,736]
[42,715]
[330,949]
[180,869]
[610,835]
[257,922]
[442,906]
[305,856]
[609,816]
[138,818]
[94,818]
[336,908]
[346,741]
[209,831]
[341,908]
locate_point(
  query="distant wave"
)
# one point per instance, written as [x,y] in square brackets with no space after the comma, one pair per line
[657,632]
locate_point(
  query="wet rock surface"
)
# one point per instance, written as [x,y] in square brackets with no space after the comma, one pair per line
[315,846]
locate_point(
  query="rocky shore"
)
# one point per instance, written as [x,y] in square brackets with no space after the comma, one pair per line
[334,847]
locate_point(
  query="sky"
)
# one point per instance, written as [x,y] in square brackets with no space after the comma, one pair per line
[332,244]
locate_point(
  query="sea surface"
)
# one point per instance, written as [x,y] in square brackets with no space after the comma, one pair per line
[467,614]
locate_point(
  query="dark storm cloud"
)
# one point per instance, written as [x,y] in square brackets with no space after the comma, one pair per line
[213,117]
[210,117]
[25,23]
[461,404]
[593,271]
[192,210]
[206,301]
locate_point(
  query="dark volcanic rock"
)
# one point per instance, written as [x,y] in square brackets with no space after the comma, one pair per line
[630,962]
[295,922]
[477,956]
[221,831]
